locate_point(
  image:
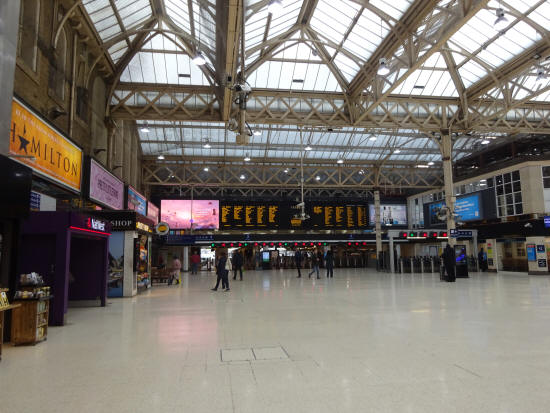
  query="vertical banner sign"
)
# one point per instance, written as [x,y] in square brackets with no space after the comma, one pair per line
[105,188]
[136,201]
[40,147]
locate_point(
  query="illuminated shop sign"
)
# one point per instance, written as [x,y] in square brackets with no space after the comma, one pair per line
[95,224]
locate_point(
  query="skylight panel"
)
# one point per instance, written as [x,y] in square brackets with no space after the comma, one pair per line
[178,11]
[542,15]
[395,8]
[348,67]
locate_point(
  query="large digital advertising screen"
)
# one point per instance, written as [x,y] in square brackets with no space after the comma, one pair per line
[187,214]
[468,208]
[389,214]
[433,209]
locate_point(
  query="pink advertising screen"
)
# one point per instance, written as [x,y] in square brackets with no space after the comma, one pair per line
[182,213]
[153,212]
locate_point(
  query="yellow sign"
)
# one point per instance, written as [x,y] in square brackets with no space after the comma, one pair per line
[143,227]
[43,149]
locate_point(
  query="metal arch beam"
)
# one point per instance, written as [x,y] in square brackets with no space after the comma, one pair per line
[509,70]
[438,38]
[409,22]
[229,16]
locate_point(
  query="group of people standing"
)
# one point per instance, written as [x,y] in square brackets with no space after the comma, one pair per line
[225,266]
[317,258]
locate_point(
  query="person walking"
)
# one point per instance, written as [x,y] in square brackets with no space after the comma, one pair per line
[329,263]
[449,260]
[482,260]
[298,260]
[221,272]
[237,261]
[195,261]
[176,270]
[314,264]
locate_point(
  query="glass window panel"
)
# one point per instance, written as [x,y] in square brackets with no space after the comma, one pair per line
[547,182]
[517,186]
[510,210]
[509,199]
[517,197]
[499,179]
[500,190]
[507,178]
[515,176]
[508,188]
[519,209]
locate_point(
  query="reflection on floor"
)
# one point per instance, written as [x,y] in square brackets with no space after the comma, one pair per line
[361,342]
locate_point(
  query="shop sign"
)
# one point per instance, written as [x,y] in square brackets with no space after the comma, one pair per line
[95,224]
[35,201]
[152,212]
[105,188]
[143,227]
[43,149]
[162,228]
[542,263]
[122,224]
[547,222]
[136,201]
[540,248]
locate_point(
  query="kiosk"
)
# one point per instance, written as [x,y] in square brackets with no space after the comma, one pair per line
[70,251]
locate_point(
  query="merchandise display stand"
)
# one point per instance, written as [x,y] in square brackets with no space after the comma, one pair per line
[30,320]
[3,309]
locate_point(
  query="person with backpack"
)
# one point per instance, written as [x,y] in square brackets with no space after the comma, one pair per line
[314,264]
[237,262]
[298,260]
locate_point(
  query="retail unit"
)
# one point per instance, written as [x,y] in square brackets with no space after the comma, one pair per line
[129,252]
[70,251]
[30,321]
[4,306]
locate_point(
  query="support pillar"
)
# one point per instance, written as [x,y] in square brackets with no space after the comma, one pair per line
[446,152]
[378,227]
[9,28]
[391,254]
[185,259]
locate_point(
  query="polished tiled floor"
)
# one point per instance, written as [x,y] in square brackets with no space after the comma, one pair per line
[362,342]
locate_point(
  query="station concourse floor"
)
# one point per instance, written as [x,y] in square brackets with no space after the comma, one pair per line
[361,342]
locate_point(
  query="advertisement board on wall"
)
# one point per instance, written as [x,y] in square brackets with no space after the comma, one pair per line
[136,201]
[468,208]
[389,214]
[105,188]
[186,213]
[43,149]
[531,252]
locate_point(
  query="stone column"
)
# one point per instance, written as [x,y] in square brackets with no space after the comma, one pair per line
[9,28]
[446,152]
[185,259]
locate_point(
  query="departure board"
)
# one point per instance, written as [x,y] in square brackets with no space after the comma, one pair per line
[253,216]
[338,216]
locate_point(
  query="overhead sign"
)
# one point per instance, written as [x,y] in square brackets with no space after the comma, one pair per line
[468,208]
[460,233]
[136,201]
[43,149]
[547,222]
[389,214]
[96,224]
[105,188]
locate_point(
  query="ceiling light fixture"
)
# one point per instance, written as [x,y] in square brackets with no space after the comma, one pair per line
[206,145]
[257,132]
[430,163]
[501,22]
[205,169]
[485,142]
[308,148]
[242,177]
[160,157]
[361,172]
[145,128]
[317,178]
[383,68]
[373,138]
[199,59]
[422,166]
[340,161]
[285,171]
[247,158]
[275,7]
[397,151]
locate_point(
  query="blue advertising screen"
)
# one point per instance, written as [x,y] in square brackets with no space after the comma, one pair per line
[433,209]
[467,208]
[136,201]
[547,222]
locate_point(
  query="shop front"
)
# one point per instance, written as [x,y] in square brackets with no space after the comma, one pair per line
[129,252]
[70,252]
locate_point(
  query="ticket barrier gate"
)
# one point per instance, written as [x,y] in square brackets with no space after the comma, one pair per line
[418,265]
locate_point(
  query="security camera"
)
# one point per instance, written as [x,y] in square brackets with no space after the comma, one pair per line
[242,87]
[301,205]
[528,225]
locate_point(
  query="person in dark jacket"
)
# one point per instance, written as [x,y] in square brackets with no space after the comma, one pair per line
[314,264]
[237,261]
[449,260]
[298,261]
[329,263]
[222,273]
[482,260]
